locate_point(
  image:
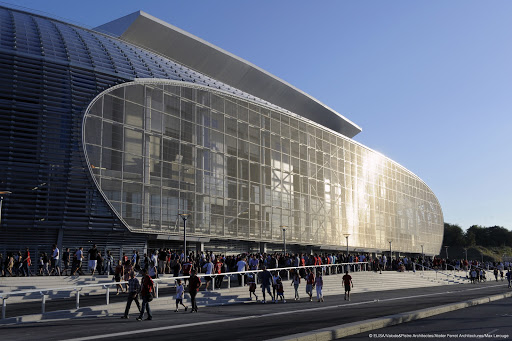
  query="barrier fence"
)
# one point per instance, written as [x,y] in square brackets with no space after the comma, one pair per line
[170,281]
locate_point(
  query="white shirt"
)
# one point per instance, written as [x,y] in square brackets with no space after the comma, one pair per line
[55,254]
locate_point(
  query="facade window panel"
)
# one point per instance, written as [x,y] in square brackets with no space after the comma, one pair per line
[230,110]
[113,109]
[217,102]
[134,114]
[112,162]
[231,126]
[243,149]
[231,144]
[93,130]
[133,141]
[254,152]
[156,121]
[171,150]
[135,94]
[97,108]
[133,167]
[171,126]
[187,111]
[155,98]
[171,105]
[254,118]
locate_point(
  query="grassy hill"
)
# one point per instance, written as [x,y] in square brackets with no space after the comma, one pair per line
[494,254]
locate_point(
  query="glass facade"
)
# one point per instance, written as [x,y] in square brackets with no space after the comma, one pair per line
[243,170]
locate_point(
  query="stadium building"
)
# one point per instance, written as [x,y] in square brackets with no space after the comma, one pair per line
[109,134]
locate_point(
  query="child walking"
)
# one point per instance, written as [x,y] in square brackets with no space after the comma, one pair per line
[319,283]
[280,290]
[251,280]
[179,295]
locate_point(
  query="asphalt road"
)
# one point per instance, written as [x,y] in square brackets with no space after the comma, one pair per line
[490,321]
[252,321]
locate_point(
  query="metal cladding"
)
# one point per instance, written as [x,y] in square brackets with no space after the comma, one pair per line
[111,141]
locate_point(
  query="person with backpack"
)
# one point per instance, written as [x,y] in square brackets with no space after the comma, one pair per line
[194,283]
[146,292]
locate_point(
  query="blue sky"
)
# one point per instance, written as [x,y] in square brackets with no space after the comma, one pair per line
[430,82]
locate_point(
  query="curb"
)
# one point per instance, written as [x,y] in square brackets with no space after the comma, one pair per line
[340,331]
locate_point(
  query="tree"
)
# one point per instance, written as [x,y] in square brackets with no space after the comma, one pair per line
[453,235]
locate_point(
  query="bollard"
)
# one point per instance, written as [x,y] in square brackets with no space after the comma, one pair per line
[108,295]
[77,299]
[43,303]
[243,279]
[288,274]
[4,307]
[229,281]
[156,290]
[213,282]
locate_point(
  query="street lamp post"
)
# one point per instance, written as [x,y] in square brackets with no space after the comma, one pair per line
[466,252]
[2,193]
[390,254]
[446,250]
[346,237]
[284,237]
[184,216]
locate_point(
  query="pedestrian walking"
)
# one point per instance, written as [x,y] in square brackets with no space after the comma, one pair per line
[65,262]
[319,283]
[310,282]
[179,295]
[55,261]
[27,262]
[146,292]
[194,283]
[133,293]
[251,280]
[347,281]
[296,283]
[118,274]
[266,281]
[280,290]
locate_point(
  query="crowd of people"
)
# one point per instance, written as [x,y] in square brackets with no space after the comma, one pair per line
[311,269]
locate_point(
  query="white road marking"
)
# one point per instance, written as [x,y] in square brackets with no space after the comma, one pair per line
[492,331]
[231,319]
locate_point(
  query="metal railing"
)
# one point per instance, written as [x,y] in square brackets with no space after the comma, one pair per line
[330,269]
[437,271]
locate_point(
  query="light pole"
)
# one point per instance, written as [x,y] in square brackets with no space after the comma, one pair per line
[446,249]
[184,216]
[422,253]
[390,254]
[284,237]
[466,252]
[346,237]
[2,193]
